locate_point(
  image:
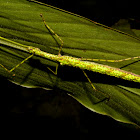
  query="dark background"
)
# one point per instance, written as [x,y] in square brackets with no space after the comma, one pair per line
[106,12]
[53,113]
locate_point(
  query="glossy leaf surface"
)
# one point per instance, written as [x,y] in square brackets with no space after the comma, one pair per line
[20,21]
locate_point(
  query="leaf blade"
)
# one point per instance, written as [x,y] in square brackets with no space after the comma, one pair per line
[82,38]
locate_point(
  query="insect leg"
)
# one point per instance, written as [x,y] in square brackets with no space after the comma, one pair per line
[57,36]
[16,65]
[130,58]
[89,80]
[54,72]
[107,98]
[52,32]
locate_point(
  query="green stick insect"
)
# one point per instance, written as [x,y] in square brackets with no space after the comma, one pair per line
[81,63]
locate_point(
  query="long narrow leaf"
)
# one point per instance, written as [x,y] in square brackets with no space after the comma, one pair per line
[20,21]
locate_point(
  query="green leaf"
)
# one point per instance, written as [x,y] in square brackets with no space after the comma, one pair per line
[20,21]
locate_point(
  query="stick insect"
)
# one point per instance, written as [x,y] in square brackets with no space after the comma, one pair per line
[82,63]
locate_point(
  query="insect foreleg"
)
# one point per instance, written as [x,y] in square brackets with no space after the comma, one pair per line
[16,65]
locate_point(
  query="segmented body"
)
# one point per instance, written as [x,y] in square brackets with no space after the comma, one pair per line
[91,66]
[75,62]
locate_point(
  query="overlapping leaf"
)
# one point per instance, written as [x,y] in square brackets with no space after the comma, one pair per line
[20,21]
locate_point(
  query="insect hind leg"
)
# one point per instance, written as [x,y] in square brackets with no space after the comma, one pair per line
[106,60]
[93,87]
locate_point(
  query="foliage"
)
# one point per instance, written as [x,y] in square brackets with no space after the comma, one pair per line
[20,21]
